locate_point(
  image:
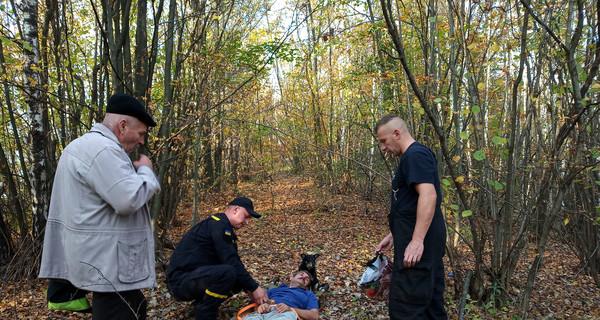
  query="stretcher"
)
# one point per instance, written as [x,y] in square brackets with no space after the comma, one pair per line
[252,308]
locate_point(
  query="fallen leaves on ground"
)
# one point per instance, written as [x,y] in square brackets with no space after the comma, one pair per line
[299,217]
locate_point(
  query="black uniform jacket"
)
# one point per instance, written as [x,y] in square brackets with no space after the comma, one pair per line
[210,242]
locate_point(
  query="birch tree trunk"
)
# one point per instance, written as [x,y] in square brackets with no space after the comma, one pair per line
[37,116]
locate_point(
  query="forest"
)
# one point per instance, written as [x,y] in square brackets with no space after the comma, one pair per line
[270,97]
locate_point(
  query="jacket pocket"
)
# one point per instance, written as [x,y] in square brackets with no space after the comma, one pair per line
[133,261]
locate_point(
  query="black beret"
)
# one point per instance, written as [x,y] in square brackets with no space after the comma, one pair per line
[121,103]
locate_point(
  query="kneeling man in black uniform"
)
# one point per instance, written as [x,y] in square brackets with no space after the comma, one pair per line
[205,266]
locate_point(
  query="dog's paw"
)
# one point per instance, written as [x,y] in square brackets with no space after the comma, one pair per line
[274,283]
[322,289]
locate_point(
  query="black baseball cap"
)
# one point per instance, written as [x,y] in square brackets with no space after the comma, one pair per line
[121,103]
[246,204]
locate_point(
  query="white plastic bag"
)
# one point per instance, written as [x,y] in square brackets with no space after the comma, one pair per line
[374,269]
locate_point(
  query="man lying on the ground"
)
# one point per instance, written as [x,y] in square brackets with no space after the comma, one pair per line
[295,295]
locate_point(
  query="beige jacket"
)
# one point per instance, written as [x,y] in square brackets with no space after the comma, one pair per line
[99,231]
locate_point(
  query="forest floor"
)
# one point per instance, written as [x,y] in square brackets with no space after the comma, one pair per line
[299,217]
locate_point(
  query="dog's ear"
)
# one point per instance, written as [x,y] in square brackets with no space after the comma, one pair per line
[317,255]
[303,255]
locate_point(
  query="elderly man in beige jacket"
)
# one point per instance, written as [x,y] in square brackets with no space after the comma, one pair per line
[99,232]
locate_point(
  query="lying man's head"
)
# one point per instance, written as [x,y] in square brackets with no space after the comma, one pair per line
[300,279]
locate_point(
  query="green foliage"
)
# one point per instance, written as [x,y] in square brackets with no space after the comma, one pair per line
[479,155]
[498,140]
[495,301]
[496,310]
[255,56]
[496,185]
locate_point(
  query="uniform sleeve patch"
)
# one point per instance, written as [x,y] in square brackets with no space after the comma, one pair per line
[228,232]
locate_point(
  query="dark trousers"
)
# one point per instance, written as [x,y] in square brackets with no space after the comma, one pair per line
[62,294]
[208,286]
[417,293]
[124,305]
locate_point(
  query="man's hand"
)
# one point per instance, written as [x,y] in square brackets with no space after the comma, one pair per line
[259,296]
[282,307]
[279,308]
[386,244]
[264,308]
[144,161]
[413,253]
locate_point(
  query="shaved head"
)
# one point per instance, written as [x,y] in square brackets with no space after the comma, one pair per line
[393,120]
[393,135]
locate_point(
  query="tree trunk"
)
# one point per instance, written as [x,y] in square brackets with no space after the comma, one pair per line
[207,167]
[6,246]
[164,150]
[503,244]
[14,203]
[152,56]
[116,21]
[235,158]
[13,124]
[141,71]
[38,118]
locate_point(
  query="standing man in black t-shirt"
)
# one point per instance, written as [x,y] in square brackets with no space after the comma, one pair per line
[418,231]
[205,266]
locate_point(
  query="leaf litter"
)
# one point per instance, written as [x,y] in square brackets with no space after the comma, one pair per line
[301,217]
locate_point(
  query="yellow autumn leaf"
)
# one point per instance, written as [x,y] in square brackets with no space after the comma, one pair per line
[481,86]
[460,179]
[566,221]
[495,47]
[456,159]
[595,86]
[472,46]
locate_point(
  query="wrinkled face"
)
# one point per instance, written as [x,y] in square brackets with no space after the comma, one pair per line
[131,133]
[240,217]
[389,139]
[300,279]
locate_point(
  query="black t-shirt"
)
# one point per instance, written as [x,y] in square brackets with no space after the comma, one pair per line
[417,165]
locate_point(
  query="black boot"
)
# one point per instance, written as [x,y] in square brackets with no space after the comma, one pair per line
[208,308]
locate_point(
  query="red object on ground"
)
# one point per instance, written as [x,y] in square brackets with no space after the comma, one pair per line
[371,293]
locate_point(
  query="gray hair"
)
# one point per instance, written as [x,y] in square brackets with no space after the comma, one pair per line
[300,271]
[112,119]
